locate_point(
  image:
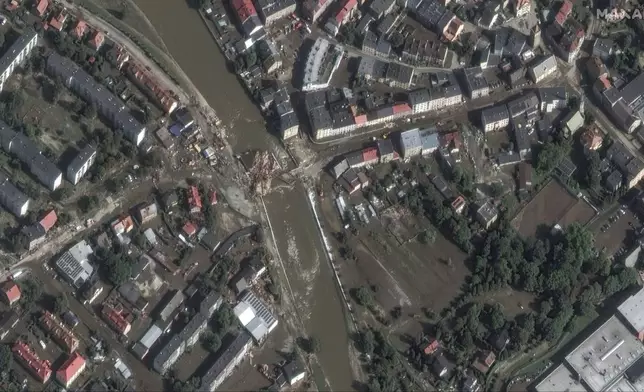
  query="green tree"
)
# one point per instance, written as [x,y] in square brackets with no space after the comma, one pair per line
[310,345]
[366,341]
[211,341]
[6,357]
[224,318]
[427,236]
[60,304]
[86,203]
[364,296]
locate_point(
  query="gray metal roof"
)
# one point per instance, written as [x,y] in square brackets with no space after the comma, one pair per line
[16,48]
[168,354]
[173,303]
[83,156]
[210,303]
[233,354]
[494,114]
[544,66]
[151,336]
[410,140]
[11,197]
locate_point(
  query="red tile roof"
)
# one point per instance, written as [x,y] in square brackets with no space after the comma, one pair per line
[71,369]
[97,40]
[401,108]
[116,320]
[370,154]
[58,21]
[360,119]
[166,98]
[80,29]
[49,220]
[41,7]
[194,199]
[563,13]
[41,369]
[244,9]
[189,228]
[431,347]
[59,332]
[11,291]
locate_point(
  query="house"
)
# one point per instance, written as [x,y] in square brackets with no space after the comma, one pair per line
[451,141]
[132,294]
[487,214]
[495,118]
[170,200]
[189,229]
[458,204]
[431,346]
[35,234]
[210,303]
[41,7]
[614,181]
[386,150]
[339,168]
[116,319]
[27,357]
[603,48]
[552,98]
[81,164]
[475,82]
[96,40]
[174,300]
[595,68]
[74,266]
[58,21]
[294,372]
[48,221]
[255,316]
[566,168]
[8,321]
[80,29]
[521,7]
[10,292]
[484,361]
[71,369]
[410,143]
[429,141]
[471,383]
[499,340]
[591,139]
[572,122]
[542,69]
[122,225]
[59,332]
[250,273]
[194,200]
[147,212]
[212,197]
[151,336]
[169,354]
[524,177]
[441,366]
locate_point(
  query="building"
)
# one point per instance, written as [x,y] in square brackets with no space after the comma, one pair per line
[429,141]
[552,98]
[12,198]
[255,316]
[10,292]
[59,332]
[35,234]
[603,48]
[410,143]
[74,266]
[441,366]
[521,7]
[210,304]
[604,355]
[107,104]
[495,118]
[175,300]
[419,100]
[564,12]
[560,379]
[18,145]
[450,27]
[572,122]
[27,357]
[147,212]
[294,372]
[96,40]
[168,356]
[226,362]
[321,63]
[542,69]
[386,150]
[273,10]
[40,7]
[8,321]
[344,12]
[194,200]
[487,214]
[81,164]
[591,139]
[378,8]
[132,294]
[115,319]
[163,98]
[17,53]
[475,83]
[313,9]
[71,369]
[399,76]
[80,29]
[122,225]
[92,292]
[193,330]
[48,221]
[632,312]
[247,15]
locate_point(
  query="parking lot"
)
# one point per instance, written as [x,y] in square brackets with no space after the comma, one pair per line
[616,230]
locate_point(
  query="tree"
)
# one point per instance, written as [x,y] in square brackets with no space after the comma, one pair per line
[153,159]
[250,58]
[60,304]
[364,296]
[366,341]
[211,341]
[86,203]
[115,265]
[427,236]
[310,345]
[497,189]
[30,291]
[6,357]
[61,194]
[224,318]
[90,111]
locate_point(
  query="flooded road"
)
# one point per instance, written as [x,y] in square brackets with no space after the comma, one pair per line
[189,42]
[310,276]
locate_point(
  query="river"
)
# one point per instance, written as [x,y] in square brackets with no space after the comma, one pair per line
[191,45]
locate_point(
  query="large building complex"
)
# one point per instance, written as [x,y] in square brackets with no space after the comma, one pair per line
[225,364]
[16,54]
[321,62]
[27,152]
[107,104]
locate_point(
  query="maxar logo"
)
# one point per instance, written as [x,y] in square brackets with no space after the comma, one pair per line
[617,14]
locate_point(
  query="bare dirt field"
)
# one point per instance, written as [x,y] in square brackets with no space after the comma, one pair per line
[552,205]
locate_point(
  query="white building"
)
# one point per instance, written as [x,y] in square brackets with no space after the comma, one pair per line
[16,54]
[255,316]
[495,118]
[542,69]
[321,63]
[74,266]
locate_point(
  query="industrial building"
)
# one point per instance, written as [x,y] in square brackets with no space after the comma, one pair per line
[74,265]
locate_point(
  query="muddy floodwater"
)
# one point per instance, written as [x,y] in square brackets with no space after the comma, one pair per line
[319,304]
[191,45]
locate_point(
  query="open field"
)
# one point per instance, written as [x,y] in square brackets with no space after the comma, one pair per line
[552,205]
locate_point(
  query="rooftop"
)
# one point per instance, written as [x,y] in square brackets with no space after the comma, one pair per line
[560,379]
[605,355]
[632,310]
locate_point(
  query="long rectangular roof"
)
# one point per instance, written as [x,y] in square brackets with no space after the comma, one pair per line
[632,310]
[151,336]
[16,48]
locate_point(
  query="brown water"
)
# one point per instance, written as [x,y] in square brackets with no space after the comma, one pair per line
[193,47]
[190,43]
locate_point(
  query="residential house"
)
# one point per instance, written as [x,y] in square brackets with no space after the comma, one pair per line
[194,200]
[59,332]
[572,122]
[458,204]
[12,198]
[475,83]
[500,340]
[495,118]
[80,29]
[339,168]
[524,178]
[169,308]
[227,361]
[71,369]
[48,221]
[294,372]
[429,141]
[147,212]
[603,48]
[386,150]
[122,225]
[484,360]
[58,20]
[542,69]
[487,214]
[430,347]
[441,366]
[591,139]
[116,319]
[614,181]
[40,7]
[10,292]
[552,98]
